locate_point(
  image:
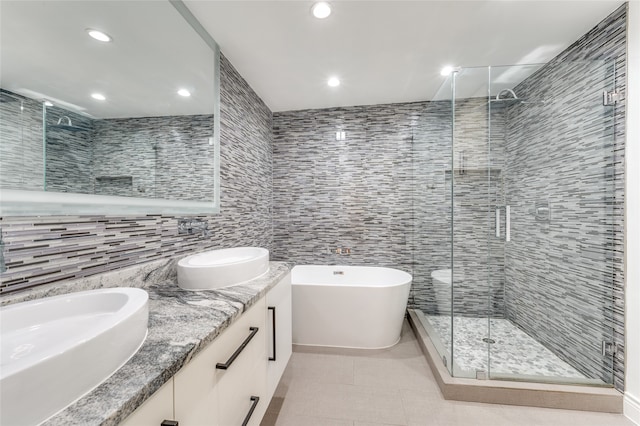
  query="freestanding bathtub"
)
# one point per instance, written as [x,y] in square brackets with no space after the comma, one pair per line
[348,306]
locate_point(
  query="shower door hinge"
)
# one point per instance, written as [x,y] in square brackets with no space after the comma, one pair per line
[609,348]
[611,98]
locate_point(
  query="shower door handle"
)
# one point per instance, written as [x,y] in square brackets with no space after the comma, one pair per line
[507,222]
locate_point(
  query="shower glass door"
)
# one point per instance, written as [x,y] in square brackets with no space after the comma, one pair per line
[549,174]
[471,295]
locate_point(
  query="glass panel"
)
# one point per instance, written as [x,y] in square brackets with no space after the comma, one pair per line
[551,159]
[432,160]
[469,174]
[523,174]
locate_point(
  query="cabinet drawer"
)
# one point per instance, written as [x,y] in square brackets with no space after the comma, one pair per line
[199,386]
[235,398]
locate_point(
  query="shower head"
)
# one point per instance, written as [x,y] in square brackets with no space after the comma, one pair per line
[506,92]
[68,121]
[64,123]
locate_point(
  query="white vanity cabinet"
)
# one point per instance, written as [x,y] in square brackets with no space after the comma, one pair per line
[279,337]
[207,392]
[231,381]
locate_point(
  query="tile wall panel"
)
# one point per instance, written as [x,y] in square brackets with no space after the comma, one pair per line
[40,250]
[564,283]
[354,193]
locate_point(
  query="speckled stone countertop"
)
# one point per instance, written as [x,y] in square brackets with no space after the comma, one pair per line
[181,323]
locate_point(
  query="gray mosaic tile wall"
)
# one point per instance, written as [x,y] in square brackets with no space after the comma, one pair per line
[564,283]
[21,150]
[354,193]
[50,249]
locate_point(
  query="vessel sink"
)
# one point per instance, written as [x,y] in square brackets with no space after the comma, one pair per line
[221,268]
[56,349]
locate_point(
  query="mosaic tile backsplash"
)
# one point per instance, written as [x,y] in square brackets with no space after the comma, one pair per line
[49,249]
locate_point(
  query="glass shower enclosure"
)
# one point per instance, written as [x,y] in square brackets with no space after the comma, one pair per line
[516,275]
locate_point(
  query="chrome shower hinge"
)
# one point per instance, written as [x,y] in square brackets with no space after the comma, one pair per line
[611,98]
[609,348]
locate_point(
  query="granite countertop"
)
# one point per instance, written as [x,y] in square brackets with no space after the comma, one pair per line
[181,323]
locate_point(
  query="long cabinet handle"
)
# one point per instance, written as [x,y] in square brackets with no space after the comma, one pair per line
[244,344]
[254,400]
[273,324]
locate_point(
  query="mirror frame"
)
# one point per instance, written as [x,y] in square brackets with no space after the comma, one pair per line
[15,202]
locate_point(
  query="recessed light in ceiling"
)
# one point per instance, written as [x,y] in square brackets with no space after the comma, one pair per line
[321,9]
[446,70]
[98,96]
[333,82]
[99,35]
[184,92]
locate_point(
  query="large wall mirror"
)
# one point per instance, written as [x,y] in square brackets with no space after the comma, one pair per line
[125,120]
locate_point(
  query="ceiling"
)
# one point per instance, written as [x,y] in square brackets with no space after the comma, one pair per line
[384,51]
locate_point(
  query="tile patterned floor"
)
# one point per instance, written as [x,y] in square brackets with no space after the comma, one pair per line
[338,387]
[514,351]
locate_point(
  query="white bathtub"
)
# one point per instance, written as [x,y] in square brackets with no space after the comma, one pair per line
[348,306]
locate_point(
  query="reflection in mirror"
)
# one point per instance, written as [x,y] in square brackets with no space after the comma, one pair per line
[130,117]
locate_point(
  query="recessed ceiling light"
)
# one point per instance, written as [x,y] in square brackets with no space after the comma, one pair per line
[99,35]
[184,92]
[98,96]
[321,9]
[333,82]
[446,70]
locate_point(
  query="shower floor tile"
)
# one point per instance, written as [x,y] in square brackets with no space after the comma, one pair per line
[514,351]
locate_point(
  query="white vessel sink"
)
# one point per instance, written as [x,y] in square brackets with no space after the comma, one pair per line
[56,349]
[221,268]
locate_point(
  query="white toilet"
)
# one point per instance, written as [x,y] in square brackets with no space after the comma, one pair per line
[441,281]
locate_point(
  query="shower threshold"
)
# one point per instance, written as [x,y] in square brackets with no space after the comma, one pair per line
[512,389]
